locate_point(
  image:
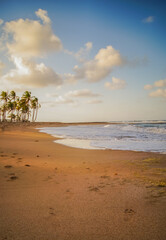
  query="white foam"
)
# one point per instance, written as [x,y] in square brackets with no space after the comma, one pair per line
[76,143]
[136,137]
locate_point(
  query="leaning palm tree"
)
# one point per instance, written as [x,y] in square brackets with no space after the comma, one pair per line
[26,98]
[12,95]
[35,106]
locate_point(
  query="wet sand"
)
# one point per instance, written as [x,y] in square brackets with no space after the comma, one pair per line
[52,192]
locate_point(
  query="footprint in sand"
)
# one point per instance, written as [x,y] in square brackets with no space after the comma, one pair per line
[27,165]
[94,189]
[2,155]
[51,211]
[8,166]
[128,214]
[36,140]
[12,178]
[15,153]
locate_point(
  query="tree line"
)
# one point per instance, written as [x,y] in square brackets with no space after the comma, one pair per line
[18,109]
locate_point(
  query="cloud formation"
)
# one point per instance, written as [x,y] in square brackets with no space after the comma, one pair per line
[31,38]
[73,97]
[2,65]
[82,53]
[148,87]
[160,83]
[160,92]
[115,84]
[149,19]
[28,73]
[1,21]
[98,68]
[82,93]
[94,101]
[43,15]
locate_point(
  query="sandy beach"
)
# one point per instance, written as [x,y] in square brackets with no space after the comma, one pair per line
[53,192]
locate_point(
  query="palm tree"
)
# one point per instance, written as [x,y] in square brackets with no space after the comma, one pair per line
[35,106]
[26,98]
[4,98]
[18,109]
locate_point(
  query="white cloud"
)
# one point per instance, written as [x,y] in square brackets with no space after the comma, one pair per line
[160,83]
[31,38]
[82,93]
[94,101]
[43,15]
[115,84]
[28,73]
[148,87]
[1,21]
[63,100]
[60,100]
[149,19]
[2,65]
[51,95]
[158,93]
[100,67]
[81,55]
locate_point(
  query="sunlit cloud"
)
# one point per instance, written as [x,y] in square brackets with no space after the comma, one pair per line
[28,73]
[2,65]
[82,93]
[148,87]
[149,19]
[98,68]
[94,101]
[160,83]
[1,21]
[29,38]
[115,84]
[82,54]
[158,93]
[43,15]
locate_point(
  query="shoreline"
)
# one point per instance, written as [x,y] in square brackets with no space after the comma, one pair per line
[51,191]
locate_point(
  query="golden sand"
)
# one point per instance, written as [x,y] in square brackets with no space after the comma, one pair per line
[52,192]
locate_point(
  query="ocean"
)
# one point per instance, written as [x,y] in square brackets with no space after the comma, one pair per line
[148,136]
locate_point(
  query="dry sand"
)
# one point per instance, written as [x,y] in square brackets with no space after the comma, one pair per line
[53,192]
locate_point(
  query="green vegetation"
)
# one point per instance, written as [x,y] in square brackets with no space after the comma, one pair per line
[18,109]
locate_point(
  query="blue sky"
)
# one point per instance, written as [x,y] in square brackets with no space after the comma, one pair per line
[118,48]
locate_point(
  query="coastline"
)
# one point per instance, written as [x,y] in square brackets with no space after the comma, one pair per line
[51,191]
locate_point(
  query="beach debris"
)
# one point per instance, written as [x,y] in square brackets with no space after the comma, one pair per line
[94,189]
[13,177]
[129,211]
[105,176]
[27,165]
[8,166]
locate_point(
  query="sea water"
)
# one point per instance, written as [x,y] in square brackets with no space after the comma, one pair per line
[147,136]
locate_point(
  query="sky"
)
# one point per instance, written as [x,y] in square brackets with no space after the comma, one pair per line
[96,60]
